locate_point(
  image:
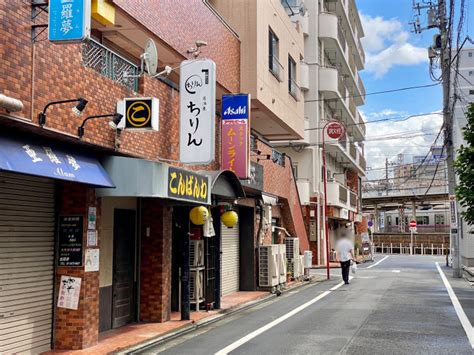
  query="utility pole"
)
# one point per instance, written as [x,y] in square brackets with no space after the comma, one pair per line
[437,19]
[386,176]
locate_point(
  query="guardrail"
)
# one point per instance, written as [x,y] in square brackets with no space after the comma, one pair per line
[276,68]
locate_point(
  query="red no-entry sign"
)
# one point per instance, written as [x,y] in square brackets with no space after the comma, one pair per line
[335,130]
[413,223]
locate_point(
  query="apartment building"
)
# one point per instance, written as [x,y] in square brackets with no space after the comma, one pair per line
[464,90]
[332,90]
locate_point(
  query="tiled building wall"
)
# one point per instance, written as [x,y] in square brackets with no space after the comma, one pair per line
[78,329]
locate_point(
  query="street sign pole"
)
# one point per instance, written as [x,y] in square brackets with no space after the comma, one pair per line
[411,241]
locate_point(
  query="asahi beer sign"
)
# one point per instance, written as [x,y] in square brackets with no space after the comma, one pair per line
[197,111]
[235,137]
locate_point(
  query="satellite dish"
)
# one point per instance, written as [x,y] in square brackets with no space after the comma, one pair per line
[150,56]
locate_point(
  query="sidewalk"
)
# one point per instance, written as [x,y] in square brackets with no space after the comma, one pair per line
[142,333]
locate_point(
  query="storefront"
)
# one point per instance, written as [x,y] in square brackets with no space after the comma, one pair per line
[33,245]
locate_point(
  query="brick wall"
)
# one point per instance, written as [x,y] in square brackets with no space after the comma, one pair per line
[155,268]
[59,74]
[78,329]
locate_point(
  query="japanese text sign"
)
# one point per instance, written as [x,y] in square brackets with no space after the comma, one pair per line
[188,186]
[197,111]
[235,138]
[70,244]
[69,292]
[69,20]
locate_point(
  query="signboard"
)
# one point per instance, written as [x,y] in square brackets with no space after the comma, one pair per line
[453,209]
[413,223]
[334,131]
[382,220]
[255,180]
[70,244]
[344,213]
[235,137]
[69,20]
[188,186]
[139,113]
[69,292]
[197,85]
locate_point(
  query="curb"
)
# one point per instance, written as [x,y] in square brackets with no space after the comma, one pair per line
[210,320]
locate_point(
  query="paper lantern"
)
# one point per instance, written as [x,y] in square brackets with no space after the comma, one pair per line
[230,219]
[199,215]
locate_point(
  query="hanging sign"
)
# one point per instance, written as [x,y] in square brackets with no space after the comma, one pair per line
[69,292]
[69,20]
[70,244]
[197,85]
[334,131]
[188,186]
[235,137]
[453,212]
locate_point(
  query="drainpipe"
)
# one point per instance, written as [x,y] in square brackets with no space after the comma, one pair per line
[10,104]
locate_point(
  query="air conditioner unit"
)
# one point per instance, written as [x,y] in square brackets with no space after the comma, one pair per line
[196,253]
[196,286]
[292,247]
[281,263]
[268,274]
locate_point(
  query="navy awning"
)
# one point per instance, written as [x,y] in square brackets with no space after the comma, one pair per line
[22,156]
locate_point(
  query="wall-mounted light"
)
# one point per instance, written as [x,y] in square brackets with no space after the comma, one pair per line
[81,105]
[116,118]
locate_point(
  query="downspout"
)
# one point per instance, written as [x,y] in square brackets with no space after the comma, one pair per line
[260,227]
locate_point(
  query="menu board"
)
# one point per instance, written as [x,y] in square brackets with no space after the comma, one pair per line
[70,248]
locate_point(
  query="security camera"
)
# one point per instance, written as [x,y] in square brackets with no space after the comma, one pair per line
[200,44]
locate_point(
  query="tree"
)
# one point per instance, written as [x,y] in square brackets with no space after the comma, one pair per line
[464,165]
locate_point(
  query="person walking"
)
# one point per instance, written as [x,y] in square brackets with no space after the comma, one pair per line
[345,253]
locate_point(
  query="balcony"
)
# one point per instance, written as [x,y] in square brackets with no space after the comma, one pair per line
[109,64]
[331,31]
[347,154]
[340,196]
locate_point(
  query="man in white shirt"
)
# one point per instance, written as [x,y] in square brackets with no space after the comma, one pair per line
[344,250]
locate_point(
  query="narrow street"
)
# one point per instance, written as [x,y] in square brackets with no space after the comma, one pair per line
[399,305]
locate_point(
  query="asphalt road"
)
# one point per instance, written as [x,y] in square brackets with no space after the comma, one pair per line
[399,306]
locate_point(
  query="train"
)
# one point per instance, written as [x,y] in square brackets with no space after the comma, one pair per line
[432,220]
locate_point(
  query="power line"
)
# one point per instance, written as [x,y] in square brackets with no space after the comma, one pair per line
[379,92]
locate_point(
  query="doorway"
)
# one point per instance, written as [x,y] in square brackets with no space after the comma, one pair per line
[124,281]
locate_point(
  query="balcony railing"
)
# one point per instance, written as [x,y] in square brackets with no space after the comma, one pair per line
[362,124]
[294,89]
[275,67]
[110,64]
[362,162]
[361,86]
[353,151]
[340,35]
[353,108]
[361,50]
[342,194]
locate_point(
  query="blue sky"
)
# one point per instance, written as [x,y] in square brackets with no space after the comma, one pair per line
[396,58]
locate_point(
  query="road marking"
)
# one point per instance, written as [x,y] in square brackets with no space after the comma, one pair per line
[466,324]
[397,271]
[378,262]
[277,321]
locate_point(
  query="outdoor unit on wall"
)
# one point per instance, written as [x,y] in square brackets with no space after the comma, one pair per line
[196,286]
[292,247]
[268,274]
[281,262]
[196,253]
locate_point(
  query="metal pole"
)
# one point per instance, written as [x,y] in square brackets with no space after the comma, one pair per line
[411,241]
[326,226]
[448,127]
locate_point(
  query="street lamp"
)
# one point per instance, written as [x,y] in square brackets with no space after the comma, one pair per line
[81,105]
[116,118]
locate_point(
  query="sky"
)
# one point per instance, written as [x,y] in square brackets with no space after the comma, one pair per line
[396,58]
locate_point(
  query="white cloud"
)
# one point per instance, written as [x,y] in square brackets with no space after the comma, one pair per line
[413,140]
[387,45]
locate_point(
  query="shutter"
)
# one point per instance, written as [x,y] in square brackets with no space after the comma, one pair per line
[26,263]
[230,259]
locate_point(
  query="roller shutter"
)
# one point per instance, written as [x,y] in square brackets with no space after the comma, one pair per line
[26,263]
[230,259]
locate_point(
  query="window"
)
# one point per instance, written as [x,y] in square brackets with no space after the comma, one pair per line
[470,54]
[389,220]
[471,92]
[273,48]
[292,86]
[295,170]
[471,73]
[421,220]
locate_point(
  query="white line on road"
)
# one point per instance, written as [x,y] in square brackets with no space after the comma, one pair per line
[396,271]
[466,324]
[277,321]
[378,262]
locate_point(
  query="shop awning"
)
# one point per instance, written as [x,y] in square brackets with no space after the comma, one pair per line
[224,183]
[269,199]
[46,160]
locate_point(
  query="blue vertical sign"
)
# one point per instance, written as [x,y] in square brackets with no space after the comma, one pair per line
[69,20]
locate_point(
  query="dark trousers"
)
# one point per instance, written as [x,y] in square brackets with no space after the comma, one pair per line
[345,266]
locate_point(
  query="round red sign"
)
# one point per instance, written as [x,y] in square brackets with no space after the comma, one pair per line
[412,223]
[335,130]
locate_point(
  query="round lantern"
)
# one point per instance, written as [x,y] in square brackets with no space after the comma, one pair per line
[230,219]
[199,215]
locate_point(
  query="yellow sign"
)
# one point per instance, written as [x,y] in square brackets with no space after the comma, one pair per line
[186,185]
[138,113]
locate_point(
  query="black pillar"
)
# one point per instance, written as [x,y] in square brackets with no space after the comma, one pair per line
[216,216]
[185,292]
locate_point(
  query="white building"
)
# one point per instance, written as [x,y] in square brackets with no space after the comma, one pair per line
[465,91]
[332,90]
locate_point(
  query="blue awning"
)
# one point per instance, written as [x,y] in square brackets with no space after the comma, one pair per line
[22,156]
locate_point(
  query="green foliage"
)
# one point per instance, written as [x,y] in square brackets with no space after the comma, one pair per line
[464,166]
